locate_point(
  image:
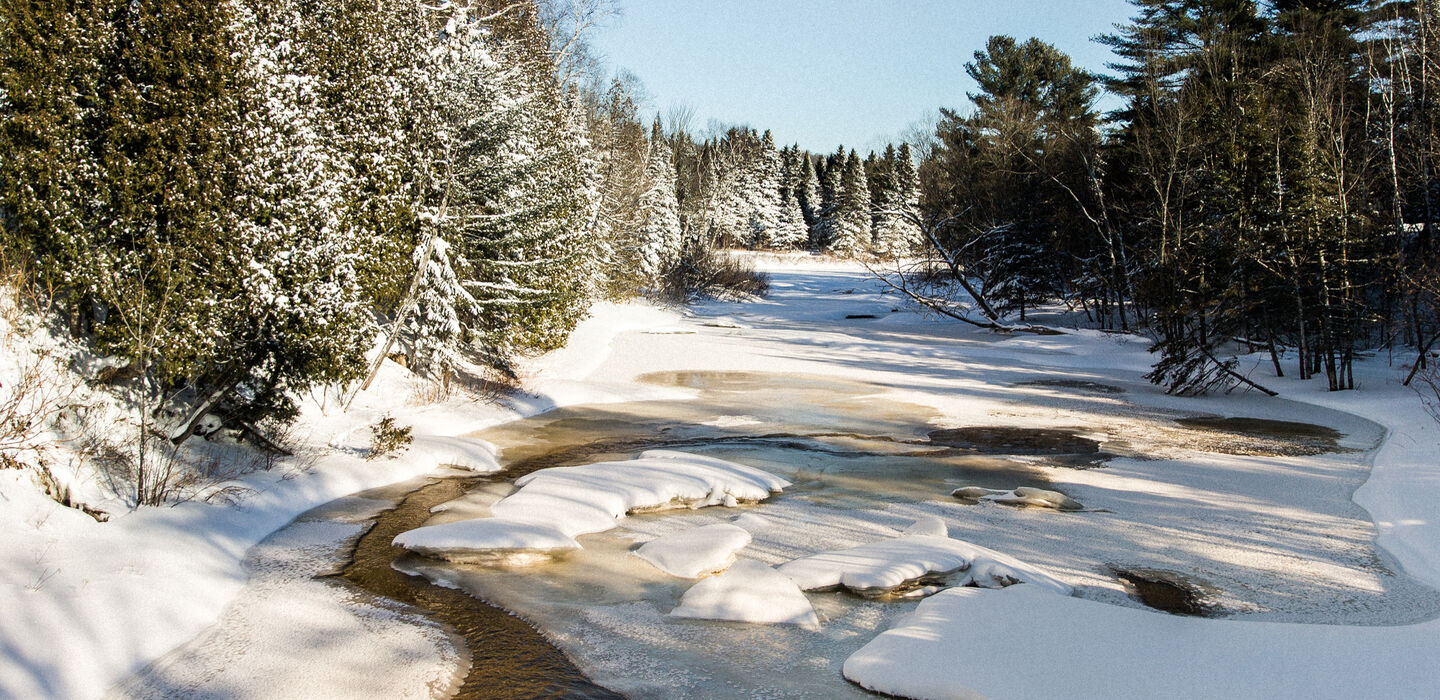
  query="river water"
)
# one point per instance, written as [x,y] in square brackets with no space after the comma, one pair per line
[863,464]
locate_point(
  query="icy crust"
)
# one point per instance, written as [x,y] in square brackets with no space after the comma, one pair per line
[695,552]
[554,506]
[748,592]
[880,567]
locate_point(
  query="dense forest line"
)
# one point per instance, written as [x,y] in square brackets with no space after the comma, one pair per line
[240,200]
[1268,184]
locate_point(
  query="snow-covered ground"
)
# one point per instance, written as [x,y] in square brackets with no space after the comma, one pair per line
[85,604]
[1277,539]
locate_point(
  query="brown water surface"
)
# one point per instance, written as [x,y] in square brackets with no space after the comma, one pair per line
[1263,437]
[509,658]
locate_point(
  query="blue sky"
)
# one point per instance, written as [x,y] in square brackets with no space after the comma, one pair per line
[826,72]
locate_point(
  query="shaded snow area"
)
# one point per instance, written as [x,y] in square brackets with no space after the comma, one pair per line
[695,552]
[748,592]
[1025,642]
[839,422]
[886,565]
[285,608]
[553,506]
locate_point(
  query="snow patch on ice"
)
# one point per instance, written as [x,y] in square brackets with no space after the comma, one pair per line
[486,540]
[553,506]
[880,567]
[929,526]
[731,421]
[748,592]
[695,552]
[466,453]
[972,643]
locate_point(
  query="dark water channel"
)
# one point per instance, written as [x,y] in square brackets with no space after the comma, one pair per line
[509,658]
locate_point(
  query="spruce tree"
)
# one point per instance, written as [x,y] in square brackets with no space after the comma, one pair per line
[808,194]
[852,212]
[660,232]
[830,171]
[764,195]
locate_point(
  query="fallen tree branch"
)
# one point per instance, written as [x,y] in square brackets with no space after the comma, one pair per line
[1236,375]
[929,302]
[1420,359]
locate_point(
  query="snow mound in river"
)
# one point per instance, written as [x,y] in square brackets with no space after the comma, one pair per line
[485,540]
[748,592]
[695,552]
[553,506]
[880,567]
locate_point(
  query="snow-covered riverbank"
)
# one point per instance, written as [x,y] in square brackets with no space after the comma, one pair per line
[1278,537]
[84,604]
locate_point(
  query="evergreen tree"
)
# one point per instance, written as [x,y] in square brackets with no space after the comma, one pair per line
[790,231]
[528,233]
[618,140]
[1005,172]
[434,332]
[829,172]
[660,235]
[852,212]
[764,194]
[808,194]
[896,204]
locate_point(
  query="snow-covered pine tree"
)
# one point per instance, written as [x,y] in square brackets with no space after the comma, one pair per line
[299,251]
[880,179]
[1020,267]
[434,331]
[852,213]
[907,236]
[829,173]
[527,229]
[763,194]
[735,187]
[618,140]
[660,229]
[807,194]
[790,230]
[895,231]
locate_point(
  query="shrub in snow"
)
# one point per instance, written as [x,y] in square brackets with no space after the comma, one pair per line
[387,437]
